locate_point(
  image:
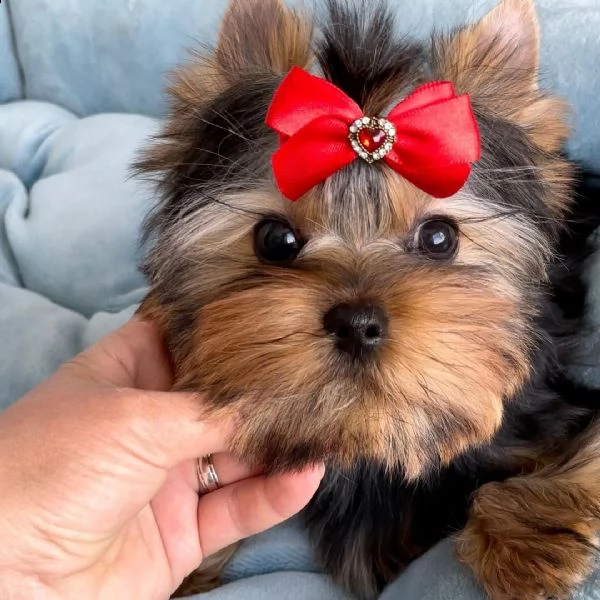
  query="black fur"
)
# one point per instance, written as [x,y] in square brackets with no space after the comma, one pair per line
[373,518]
[224,144]
[359,50]
[368,523]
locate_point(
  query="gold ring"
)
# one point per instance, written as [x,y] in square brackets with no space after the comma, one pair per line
[207,475]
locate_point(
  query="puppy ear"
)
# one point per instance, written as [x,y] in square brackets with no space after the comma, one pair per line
[259,41]
[501,49]
[259,36]
[256,37]
[496,61]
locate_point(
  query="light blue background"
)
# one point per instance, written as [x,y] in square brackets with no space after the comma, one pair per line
[69,215]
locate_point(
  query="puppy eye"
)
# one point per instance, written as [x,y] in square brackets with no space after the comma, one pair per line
[437,239]
[275,242]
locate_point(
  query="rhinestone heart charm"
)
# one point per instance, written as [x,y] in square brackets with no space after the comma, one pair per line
[372,138]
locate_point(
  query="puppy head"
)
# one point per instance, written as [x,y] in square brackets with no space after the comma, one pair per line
[367,319]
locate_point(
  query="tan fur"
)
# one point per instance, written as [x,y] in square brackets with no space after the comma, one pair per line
[502,47]
[151,310]
[208,576]
[386,95]
[458,342]
[290,360]
[537,535]
[362,219]
[256,37]
[263,34]
[496,62]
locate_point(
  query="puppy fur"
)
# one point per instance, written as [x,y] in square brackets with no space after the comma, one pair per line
[466,419]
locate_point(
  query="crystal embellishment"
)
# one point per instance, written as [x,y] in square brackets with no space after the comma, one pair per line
[372,138]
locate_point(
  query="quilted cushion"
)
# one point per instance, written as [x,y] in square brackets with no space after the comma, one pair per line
[10,79]
[109,55]
[70,218]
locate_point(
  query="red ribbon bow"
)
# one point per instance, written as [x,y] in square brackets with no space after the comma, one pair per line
[430,138]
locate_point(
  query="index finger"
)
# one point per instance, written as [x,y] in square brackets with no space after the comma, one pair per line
[253,505]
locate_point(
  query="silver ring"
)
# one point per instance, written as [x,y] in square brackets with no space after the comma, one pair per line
[207,475]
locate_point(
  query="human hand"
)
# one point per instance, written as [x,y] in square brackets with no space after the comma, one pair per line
[99,493]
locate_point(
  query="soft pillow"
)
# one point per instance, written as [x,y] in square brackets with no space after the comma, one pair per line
[70,216]
[10,81]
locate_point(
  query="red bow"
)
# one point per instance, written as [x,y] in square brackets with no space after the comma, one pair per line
[430,138]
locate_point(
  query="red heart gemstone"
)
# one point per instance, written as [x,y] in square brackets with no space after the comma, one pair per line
[371,139]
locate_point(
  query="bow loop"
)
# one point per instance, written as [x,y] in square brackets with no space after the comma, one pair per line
[430,138]
[426,95]
[302,98]
[312,155]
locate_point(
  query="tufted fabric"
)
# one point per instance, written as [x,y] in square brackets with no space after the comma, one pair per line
[10,77]
[69,221]
[80,90]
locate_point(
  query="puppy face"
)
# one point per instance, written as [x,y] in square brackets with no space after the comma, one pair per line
[368,319]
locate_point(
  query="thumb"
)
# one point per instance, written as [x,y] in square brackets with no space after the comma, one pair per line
[173,426]
[133,356]
[132,369]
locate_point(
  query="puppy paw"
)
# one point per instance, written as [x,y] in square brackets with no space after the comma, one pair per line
[208,576]
[529,539]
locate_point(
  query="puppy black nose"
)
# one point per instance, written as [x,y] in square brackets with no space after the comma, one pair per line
[356,327]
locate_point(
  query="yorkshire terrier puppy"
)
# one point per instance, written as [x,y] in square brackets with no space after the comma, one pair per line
[364,249]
